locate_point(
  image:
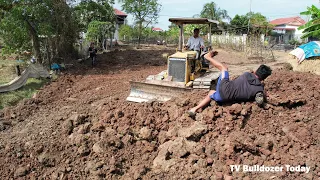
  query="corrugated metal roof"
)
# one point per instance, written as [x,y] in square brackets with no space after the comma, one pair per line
[156,29]
[294,21]
[119,13]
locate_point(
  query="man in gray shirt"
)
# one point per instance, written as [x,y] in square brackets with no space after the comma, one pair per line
[246,87]
[195,42]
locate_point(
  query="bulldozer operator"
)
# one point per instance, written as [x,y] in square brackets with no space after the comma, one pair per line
[249,86]
[195,43]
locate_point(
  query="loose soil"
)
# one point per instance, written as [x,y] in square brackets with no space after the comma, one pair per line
[81,127]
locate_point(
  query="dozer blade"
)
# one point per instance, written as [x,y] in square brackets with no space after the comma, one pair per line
[147,92]
[204,81]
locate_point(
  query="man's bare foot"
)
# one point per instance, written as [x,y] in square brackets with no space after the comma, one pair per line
[192,112]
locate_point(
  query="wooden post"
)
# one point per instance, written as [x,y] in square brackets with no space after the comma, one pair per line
[110,40]
[18,70]
[180,37]
[210,40]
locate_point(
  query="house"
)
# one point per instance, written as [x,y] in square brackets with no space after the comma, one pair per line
[157,29]
[287,28]
[121,17]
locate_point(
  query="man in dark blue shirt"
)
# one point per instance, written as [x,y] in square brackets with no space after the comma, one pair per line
[92,53]
[246,87]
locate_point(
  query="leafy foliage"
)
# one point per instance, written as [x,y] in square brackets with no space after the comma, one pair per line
[126,32]
[97,31]
[172,34]
[257,19]
[311,28]
[144,11]
[258,23]
[89,10]
[212,11]
[12,28]
[239,20]
[31,24]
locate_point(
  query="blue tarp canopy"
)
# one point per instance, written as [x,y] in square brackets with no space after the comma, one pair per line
[306,51]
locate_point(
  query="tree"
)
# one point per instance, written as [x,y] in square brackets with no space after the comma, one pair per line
[21,18]
[172,34]
[239,21]
[212,11]
[127,32]
[26,24]
[144,12]
[189,28]
[97,31]
[258,23]
[89,10]
[257,19]
[239,24]
[311,28]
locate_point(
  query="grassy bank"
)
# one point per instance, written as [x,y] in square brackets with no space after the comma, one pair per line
[7,71]
[7,74]
[27,91]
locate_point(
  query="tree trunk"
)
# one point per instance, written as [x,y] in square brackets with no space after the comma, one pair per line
[56,46]
[110,35]
[139,34]
[35,42]
[103,43]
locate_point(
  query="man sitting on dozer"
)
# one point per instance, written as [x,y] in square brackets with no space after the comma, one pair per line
[246,87]
[195,42]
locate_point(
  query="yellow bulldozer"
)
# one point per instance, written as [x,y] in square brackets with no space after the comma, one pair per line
[185,71]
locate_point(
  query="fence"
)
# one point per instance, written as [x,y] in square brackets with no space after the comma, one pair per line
[151,41]
[254,46]
[229,42]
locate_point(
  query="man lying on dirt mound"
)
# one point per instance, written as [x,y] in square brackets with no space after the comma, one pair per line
[246,87]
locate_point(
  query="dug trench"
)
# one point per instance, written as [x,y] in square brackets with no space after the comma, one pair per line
[81,127]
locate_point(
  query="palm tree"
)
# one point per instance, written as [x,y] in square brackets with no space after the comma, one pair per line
[212,11]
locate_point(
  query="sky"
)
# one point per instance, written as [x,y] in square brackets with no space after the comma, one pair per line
[272,9]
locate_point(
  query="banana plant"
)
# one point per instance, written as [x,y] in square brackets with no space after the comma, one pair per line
[311,28]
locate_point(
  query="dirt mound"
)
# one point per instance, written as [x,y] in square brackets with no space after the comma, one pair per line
[310,65]
[81,127]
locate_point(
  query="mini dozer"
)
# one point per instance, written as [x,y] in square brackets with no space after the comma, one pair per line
[185,71]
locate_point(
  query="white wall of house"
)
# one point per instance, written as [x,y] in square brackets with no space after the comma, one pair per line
[297,33]
[116,33]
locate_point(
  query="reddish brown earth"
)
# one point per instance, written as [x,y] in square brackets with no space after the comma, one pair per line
[81,127]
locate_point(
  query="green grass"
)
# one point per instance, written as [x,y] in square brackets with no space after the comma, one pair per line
[27,91]
[7,71]
[7,74]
